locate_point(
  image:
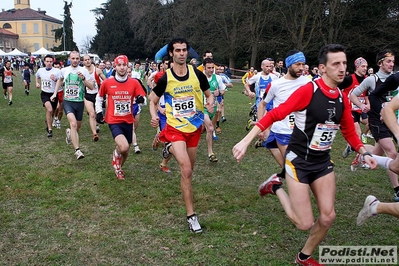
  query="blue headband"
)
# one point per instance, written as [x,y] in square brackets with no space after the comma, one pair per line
[295,58]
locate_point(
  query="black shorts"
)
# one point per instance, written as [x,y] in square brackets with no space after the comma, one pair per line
[122,129]
[364,116]
[356,116]
[252,87]
[75,108]
[379,130]
[6,85]
[304,171]
[91,97]
[45,96]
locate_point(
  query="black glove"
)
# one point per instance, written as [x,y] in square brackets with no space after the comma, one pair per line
[100,118]
[139,99]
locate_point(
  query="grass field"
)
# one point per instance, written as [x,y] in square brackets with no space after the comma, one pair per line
[55,210]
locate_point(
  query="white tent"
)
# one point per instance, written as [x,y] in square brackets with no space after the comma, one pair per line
[16,52]
[2,53]
[43,51]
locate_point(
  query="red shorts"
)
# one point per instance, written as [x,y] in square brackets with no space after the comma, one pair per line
[171,134]
[60,96]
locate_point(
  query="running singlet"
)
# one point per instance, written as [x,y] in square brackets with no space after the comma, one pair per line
[7,75]
[184,102]
[74,88]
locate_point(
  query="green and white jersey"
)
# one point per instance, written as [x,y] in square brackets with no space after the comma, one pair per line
[74,88]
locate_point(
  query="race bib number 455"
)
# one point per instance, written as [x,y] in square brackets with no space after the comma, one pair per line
[184,107]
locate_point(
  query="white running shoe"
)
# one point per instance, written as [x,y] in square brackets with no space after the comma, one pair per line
[137,149]
[58,125]
[54,122]
[79,154]
[366,212]
[193,224]
[68,139]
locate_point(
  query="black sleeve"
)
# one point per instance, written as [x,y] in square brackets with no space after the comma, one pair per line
[345,83]
[204,84]
[390,84]
[160,88]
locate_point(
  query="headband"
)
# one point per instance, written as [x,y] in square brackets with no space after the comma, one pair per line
[295,58]
[121,59]
[360,61]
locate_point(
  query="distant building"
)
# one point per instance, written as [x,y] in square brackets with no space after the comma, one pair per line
[32,29]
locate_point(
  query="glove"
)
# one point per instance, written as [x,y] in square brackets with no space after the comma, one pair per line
[100,118]
[139,99]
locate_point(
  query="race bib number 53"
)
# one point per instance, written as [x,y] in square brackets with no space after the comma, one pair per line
[183,107]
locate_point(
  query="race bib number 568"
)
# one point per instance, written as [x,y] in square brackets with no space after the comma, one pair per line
[183,107]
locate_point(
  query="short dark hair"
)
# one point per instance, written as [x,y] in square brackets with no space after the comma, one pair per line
[329,48]
[48,56]
[207,61]
[177,40]
[279,59]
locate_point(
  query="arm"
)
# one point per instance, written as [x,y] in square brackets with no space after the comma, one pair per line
[57,87]
[390,84]
[244,78]
[154,99]
[364,86]
[389,117]
[101,74]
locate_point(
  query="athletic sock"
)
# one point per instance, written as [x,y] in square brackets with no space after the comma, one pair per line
[303,256]
[275,187]
[218,123]
[383,161]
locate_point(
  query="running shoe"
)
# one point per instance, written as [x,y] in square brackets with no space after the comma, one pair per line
[223,119]
[193,224]
[79,154]
[308,262]
[26,92]
[54,124]
[212,158]
[267,186]
[366,212]
[369,136]
[258,143]
[58,126]
[214,137]
[120,175]
[348,150]
[95,138]
[249,125]
[68,139]
[164,169]
[116,160]
[50,133]
[136,149]
[165,152]
[10,103]
[97,129]
[364,139]
[218,130]
[356,162]
[396,196]
[155,143]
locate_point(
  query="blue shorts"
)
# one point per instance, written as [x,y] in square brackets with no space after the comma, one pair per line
[162,121]
[122,129]
[136,109]
[75,108]
[220,98]
[274,138]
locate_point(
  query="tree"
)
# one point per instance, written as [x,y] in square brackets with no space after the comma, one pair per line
[114,36]
[65,34]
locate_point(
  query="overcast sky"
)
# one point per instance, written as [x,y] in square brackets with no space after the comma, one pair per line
[84,21]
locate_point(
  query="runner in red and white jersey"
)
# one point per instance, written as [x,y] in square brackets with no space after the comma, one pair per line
[121,92]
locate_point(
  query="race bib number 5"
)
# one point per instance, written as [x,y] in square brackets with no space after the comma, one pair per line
[183,107]
[323,136]
[122,108]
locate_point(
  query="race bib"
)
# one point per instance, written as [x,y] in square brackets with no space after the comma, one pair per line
[72,92]
[46,84]
[184,107]
[122,108]
[7,79]
[323,136]
[291,121]
[262,92]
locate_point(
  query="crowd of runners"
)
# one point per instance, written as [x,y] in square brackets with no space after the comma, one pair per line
[297,113]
